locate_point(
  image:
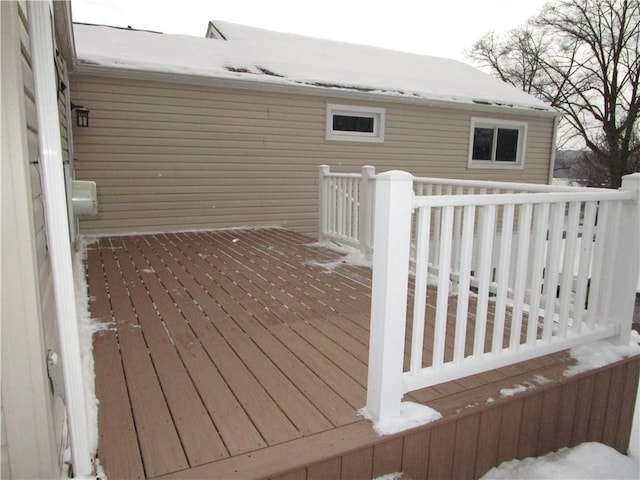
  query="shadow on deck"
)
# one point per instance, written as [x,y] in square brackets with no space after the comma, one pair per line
[243,354]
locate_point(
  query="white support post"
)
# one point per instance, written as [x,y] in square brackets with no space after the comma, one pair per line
[625,253]
[41,35]
[323,198]
[366,208]
[392,235]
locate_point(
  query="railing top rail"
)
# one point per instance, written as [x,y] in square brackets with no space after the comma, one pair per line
[343,175]
[531,187]
[519,198]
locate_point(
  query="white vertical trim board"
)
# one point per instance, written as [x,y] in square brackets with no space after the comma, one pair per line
[40,29]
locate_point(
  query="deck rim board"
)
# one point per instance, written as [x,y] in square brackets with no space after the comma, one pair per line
[150,411]
[198,435]
[223,400]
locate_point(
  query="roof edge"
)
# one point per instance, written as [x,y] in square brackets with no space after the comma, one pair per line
[318,91]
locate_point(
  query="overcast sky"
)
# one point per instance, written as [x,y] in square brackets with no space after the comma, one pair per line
[443,28]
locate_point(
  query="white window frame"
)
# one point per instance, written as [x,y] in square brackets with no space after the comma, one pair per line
[495,124]
[378,114]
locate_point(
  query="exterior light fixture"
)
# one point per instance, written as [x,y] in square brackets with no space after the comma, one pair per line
[82,115]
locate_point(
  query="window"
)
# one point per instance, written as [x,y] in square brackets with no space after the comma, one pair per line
[355,124]
[497,143]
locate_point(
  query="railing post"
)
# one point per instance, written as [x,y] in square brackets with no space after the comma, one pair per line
[625,251]
[323,199]
[366,209]
[392,236]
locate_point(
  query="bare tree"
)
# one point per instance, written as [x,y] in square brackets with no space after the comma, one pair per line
[582,57]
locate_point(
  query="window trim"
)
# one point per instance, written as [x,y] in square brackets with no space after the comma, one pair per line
[378,115]
[495,124]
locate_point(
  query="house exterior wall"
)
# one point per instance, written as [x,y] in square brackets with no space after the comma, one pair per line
[31,415]
[170,156]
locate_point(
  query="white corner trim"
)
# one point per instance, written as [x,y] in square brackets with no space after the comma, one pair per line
[57,226]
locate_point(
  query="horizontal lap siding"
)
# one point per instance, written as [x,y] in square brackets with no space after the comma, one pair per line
[171,157]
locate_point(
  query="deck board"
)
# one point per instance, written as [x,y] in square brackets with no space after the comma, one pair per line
[198,435]
[243,354]
[160,445]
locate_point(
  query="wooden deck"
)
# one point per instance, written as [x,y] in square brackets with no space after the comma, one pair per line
[243,354]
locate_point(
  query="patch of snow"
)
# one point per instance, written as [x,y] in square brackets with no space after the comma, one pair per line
[510,392]
[351,256]
[599,354]
[256,55]
[586,461]
[411,415]
[87,327]
[541,380]
[490,400]
[389,476]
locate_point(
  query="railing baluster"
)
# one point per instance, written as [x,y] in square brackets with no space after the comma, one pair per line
[349,207]
[420,289]
[520,280]
[504,258]
[552,269]
[437,214]
[487,234]
[464,272]
[540,222]
[584,268]
[599,257]
[442,302]
[568,267]
[457,228]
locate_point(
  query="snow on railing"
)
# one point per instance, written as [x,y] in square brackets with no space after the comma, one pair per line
[346,207]
[503,255]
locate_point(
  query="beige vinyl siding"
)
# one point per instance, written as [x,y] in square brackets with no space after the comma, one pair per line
[174,156]
[29,448]
[4,445]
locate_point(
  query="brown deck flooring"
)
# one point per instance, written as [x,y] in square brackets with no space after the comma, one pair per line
[241,348]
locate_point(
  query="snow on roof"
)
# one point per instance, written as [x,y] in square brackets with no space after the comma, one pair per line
[279,58]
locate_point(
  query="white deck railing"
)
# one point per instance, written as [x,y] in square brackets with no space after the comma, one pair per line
[346,207]
[509,272]
[533,238]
